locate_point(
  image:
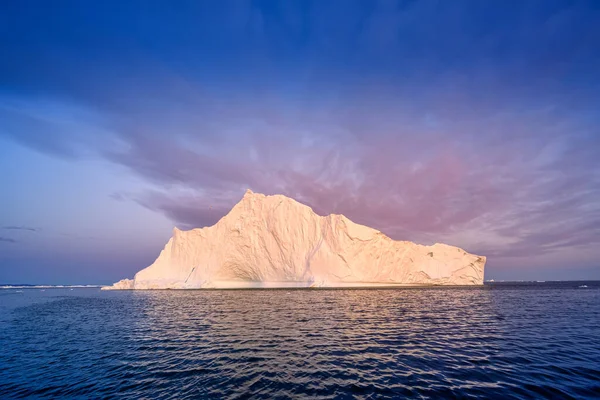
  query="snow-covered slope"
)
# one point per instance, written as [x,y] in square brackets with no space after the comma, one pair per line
[274,241]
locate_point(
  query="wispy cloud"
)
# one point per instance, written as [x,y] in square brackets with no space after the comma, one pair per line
[20,228]
[7,240]
[511,192]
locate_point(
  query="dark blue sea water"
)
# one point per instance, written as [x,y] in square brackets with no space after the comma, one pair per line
[538,340]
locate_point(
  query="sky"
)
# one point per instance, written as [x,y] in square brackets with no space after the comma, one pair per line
[471,123]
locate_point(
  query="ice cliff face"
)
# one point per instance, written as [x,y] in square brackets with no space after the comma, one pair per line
[274,241]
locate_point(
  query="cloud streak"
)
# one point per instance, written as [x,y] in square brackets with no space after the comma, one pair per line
[19,228]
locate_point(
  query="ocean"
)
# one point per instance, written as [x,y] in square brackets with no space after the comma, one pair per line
[503,340]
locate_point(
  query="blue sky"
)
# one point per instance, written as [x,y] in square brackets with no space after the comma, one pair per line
[465,122]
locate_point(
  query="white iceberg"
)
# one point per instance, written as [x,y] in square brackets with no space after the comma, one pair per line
[275,241]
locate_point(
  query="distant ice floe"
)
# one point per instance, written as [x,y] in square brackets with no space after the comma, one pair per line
[48,286]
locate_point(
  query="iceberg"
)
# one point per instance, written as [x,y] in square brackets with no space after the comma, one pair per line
[274,241]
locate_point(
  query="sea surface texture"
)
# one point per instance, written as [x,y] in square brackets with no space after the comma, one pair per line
[528,340]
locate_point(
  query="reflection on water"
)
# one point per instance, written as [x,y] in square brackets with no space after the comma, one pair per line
[501,341]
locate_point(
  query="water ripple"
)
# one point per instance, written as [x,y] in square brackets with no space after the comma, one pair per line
[495,342]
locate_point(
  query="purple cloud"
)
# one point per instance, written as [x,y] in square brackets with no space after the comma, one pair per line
[519,187]
[498,180]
